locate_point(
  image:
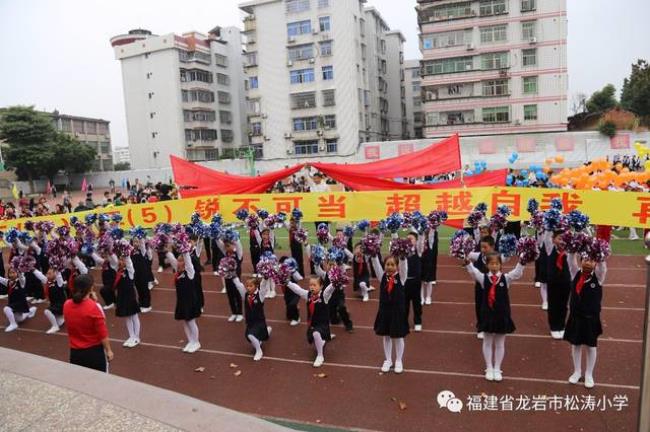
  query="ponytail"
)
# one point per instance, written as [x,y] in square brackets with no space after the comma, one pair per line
[82,286]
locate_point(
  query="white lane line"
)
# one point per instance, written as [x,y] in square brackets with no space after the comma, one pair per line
[356,366]
[373,300]
[444,332]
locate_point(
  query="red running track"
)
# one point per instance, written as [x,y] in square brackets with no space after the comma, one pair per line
[354,394]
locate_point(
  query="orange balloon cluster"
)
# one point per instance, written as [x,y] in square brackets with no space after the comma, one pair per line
[550,161]
[598,174]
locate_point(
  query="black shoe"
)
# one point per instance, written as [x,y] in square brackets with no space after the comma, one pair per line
[349,328]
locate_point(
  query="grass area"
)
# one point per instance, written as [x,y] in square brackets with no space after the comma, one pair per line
[620,246]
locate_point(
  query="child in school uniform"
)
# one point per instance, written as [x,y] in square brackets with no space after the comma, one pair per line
[196,262]
[234,250]
[17,309]
[109,264]
[337,308]
[496,320]
[318,330]
[541,269]
[584,326]
[295,245]
[188,303]
[254,246]
[126,301]
[413,285]
[391,321]
[361,273]
[56,293]
[142,276]
[558,283]
[253,295]
[486,246]
[291,300]
[429,263]
[266,241]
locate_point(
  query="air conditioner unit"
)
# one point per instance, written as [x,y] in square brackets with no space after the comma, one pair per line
[289,63]
[321,148]
[267,138]
[315,32]
[287,135]
[264,116]
[517,122]
[533,40]
[312,60]
[320,133]
[289,151]
[470,47]
[291,40]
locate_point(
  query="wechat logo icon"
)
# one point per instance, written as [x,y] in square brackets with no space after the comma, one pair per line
[447,399]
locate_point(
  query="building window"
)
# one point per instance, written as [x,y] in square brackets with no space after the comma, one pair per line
[496,115]
[494,60]
[225,117]
[254,106]
[200,134]
[226,135]
[494,34]
[450,11]
[302,124]
[298,28]
[224,97]
[329,98]
[324,24]
[301,52]
[493,7]
[252,81]
[223,79]
[529,57]
[256,128]
[332,145]
[102,128]
[528,30]
[323,4]
[302,148]
[329,122]
[326,48]
[197,56]
[303,100]
[211,154]
[188,75]
[221,60]
[495,88]
[528,5]
[530,85]
[328,73]
[190,116]
[416,87]
[204,96]
[301,76]
[295,6]
[105,148]
[447,39]
[91,128]
[458,64]
[530,112]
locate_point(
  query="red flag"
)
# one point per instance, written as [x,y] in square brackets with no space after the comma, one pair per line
[84,185]
[48,190]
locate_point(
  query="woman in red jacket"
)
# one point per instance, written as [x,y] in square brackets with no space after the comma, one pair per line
[86,324]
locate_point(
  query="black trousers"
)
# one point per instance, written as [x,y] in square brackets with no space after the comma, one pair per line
[338,310]
[93,357]
[207,246]
[291,301]
[161,260]
[478,299]
[144,295]
[108,295]
[413,295]
[234,299]
[558,298]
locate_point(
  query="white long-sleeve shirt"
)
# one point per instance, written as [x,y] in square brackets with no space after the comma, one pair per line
[479,276]
[303,293]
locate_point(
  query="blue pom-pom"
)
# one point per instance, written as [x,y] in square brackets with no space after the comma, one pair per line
[394,222]
[91,218]
[556,204]
[195,218]
[11,235]
[217,219]
[508,245]
[504,210]
[74,220]
[363,225]
[87,249]
[348,231]
[230,235]
[291,263]
[296,214]
[481,207]
[263,214]
[281,217]
[336,255]
[578,220]
[241,214]
[552,219]
[533,206]
[117,233]
[103,217]
[116,217]
[24,237]
[138,232]
[317,254]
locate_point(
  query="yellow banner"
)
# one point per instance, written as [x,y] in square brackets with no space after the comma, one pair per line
[627,209]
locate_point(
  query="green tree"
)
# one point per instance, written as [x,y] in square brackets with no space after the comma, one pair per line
[122,166]
[635,95]
[71,156]
[28,135]
[602,100]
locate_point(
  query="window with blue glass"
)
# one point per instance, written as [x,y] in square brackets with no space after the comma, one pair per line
[302,76]
[253,82]
[324,24]
[298,28]
[328,73]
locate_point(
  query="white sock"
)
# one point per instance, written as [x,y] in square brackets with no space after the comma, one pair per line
[60,320]
[591,361]
[256,343]
[364,288]
[129,327]
[319,343]
[388,348]
[136,326]
[423,287]
[188,332]
[51,318]
[399,349]
[429,289]
[488,339]
[499,350]
[9,313]
[576,353]
[194,330]
[543,291]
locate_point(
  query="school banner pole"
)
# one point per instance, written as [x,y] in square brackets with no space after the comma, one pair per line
[644,400]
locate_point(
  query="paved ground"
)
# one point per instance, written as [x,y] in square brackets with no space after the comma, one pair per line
[350,392]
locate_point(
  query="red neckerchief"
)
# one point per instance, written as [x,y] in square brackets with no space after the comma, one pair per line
[559,262]
[312,305]
[391,284]
[251,299]
[48,286]
[177,276]
[11,286]
[118,278]
[581,282]
[360,267]
[73,273]
[492,293]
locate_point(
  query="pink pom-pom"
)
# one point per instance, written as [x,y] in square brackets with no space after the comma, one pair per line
[370,245]
[122,248]
[323,234]
[266,266]
[462,244]
[598,250]
[338,278]
[300,235]
[227,267]
[401,248]
[252,221]
[282,275]
[182,242]
[527,250]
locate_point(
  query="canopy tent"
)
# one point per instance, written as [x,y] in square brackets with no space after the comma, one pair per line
[439,158]
[200,180]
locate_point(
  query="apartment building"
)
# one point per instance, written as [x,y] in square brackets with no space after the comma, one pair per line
[412,84]
[91,132]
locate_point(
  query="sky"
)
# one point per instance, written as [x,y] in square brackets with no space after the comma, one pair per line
[56,53]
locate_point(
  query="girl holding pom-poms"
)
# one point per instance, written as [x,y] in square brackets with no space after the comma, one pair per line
[126,303]
[297,238]
[17,309]
[230,268]
[253,295]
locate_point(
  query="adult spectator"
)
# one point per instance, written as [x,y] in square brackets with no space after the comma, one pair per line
[86,324]
[80,207]
[90,204]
